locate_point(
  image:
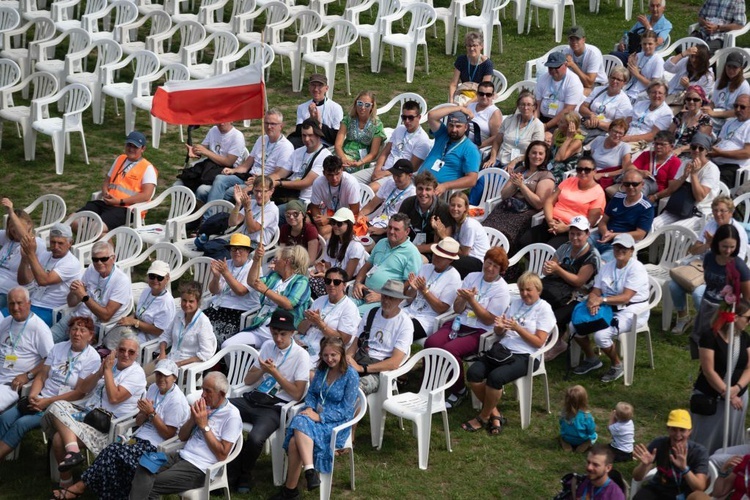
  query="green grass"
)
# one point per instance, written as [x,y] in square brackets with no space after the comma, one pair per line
[519,463]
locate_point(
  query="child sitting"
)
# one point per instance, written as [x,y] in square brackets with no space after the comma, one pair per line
[623,432]
[577,426]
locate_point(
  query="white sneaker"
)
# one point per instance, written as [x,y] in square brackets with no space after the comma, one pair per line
[681,325]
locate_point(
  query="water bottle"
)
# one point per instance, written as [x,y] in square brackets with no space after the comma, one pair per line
[200,241]
[455,327]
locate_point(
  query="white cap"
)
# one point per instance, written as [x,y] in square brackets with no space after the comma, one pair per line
[159,268]
[167,367]
[625,240]
[580,222]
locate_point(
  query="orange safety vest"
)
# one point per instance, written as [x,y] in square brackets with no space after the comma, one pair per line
[124,184]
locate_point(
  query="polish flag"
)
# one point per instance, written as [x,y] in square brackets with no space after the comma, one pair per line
[233,96]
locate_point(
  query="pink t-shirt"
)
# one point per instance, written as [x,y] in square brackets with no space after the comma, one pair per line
[573,201]
[665,172]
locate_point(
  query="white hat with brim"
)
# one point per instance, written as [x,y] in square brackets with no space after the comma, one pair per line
[447,248]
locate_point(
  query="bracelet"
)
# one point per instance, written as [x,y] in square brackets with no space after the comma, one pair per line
[687,469]
[264,293]
[137,325]
[724,473]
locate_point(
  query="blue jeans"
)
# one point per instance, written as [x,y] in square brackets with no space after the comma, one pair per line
[605,249]
[679,296]
[13,426]
[221,189]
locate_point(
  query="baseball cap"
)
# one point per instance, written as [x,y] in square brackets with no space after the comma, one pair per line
[318,78]
[701,139]
[580,222]
[555,60]
[282,319]
[159,268]
[60,229]
[402,166]
[576,32]
[735,58]
[458,116]
[680,419]
[625,240]
[344,214]
[167,367]
[136,139]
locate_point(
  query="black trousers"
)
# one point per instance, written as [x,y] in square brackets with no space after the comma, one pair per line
[265,422]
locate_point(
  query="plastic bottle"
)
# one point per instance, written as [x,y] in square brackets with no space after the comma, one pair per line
[455,327]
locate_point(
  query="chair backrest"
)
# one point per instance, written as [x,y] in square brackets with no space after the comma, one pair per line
[258,53]
[167,252]
[499,81]
[400,100]
[345,34]
[308,21]
[366,193]
[44,84]
[10,18]
[239,358]
[519,87]
[681,45]
[497,239]
[127,242]
[440,369]
[199,269]
[10,73]
[53,210]
[44,29]
[494,180]
[90,227]
[77,99]
[107,52]
[677,240]
[742,207]
[537,253]
[490,9]
[611,62]
[125,12]
[535,67]
[654,292]
[422,17]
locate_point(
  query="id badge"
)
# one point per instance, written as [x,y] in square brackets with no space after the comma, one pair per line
[553,107]
[600,117]
[471,315]
[420,239]
[363,152]
[10,361]
[438,165]
[269,386]
[515,153]
[372,271]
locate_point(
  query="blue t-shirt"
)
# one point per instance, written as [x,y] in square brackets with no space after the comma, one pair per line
[476,74]
[624,219]
[460,158]
[580,429]
[662,28]
[716,276]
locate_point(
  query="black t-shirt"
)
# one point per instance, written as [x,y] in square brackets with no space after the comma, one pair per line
[711,341]
[420,222]
[668,482]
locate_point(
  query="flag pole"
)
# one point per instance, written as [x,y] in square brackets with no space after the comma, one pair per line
[262,147]
[728,382]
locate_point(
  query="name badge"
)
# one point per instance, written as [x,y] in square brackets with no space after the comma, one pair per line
[438,165]
[515,153]
[600,117]
[420,239]
[10,361]
[553,107]
[269,386]
[372,271]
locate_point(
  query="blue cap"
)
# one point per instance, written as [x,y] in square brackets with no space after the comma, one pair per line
[555,60]
[136,139]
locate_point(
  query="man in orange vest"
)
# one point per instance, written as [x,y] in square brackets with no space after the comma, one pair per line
[131,179]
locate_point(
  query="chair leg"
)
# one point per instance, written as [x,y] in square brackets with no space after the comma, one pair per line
[667,308]
[325,485]
[85,151]
[447,430]
[426,60]
[524,387]
[348,83]
[58,146]
[424,428]
[650,348]
[155,131]
[500,37]
[572,14]
[628,343]
[351,468]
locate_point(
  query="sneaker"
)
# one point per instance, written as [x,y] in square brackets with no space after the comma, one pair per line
[565,445]
[587,365]
[312,478]
[286,494]
[681,325]
[613,374]
[455,399]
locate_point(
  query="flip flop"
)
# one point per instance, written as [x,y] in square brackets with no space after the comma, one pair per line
[70,460]
[470,428]
[63,494]
[495,429]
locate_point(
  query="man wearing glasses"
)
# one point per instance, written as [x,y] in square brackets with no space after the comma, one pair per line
[732,151]
[557,92]
[585,61]
[103,294]
[408,141]
[322,110]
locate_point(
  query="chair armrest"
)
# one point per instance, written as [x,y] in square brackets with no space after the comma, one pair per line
[171,445]
[445,317]
[117,424]
[184,219]
[38,105]
[318,34]
[357,9]
[147,351]
[486,340]
[246,318]
[160,37]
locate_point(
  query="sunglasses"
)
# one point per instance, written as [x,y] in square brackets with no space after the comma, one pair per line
[631,184]
[334,281]
[237,249]
[584,170]
[100,259]
[408,117]
[484,94]
[129,352]
[694,147]
[740,106]
[693,99]
[362,104]
[156,277]
[338,223]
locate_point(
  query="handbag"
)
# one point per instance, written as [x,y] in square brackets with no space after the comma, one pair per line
[585,323]
[556,291]
[634,41]
[498,354]
[702,404]
[99,419]
[202,172]
[690,276]
[514,205]
[681,203]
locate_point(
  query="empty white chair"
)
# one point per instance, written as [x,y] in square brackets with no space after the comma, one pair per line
[387,13]
[276,14]
[78,40]
[256,53]
[9,20]
[10,73]
[61,12]
[115,15]
[494,180]
[488,18]
[225,45]
[159,22]
[31,11]
[188,33]
[519,87]
[209,12]
[344,35]
[557,14]
[43,85]
[423,16]
[75,99]
[307,22]
[143,98]
[144,63]
[238,7]
[43,29]
[181,202]
[107,52]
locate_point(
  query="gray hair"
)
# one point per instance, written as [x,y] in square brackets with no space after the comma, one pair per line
[103,246]
[658,82]
[621,71]
[220,381]
[474,37]
[275,112]
[129,337]
[22,290]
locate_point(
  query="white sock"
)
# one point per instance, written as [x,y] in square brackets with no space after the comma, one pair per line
[306,468]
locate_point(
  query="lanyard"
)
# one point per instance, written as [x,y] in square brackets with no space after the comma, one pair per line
[325,313]
[275,289]
[100,289]
[184,331]
[641,64]
[124,168]
[469,72]
[447,151]
[553,96]
[143,308]
[616,281]
[72,363]
[654,167]
[484,289]
[20,335]
[520,316]
[519,134]
[211,414]
[425,216]
[156,398]
[270,149]
[730,132]
[9,252]
[286,354]
[328,388]
[393,198]
[602,106]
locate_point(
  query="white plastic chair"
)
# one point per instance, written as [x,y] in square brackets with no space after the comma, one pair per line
[187,245]
[90,228]
[31,11]
[256,53]
[163,251]
[181,202]
[276,15]
[387,12]
[107,52]
[53,210]
[209,12]
[497,239]
[115,15]
[128,246]
[187,32]
[76,98]
[61,12]
[344,35]
[238,7]
[557,14]
[10,73]
[77,40]
[366,194]
[218,471]
[307,22]
[681,44]
[499,81]
[144,63]
[199,269]
[422,17]
[10,18]
[400,100]
[494,180]
[529,85]
[536,66]
[611,62]
[143,98]
[42,28]
[224,45]
[538,254]
[360,408]
[488,18]
[440,372]
[158,22]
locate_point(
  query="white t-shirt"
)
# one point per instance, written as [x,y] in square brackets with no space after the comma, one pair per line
[298,164]
[293,364]
[225,424]
[149,176]
[734,136]
[644,120]
[724,99]
[606,158]
[115,287]
[331,113]
[10,260]
[391,199]
[623,435]
[66,367]
[277,154]
[492,296]
[171,407]
[68,268]
[226,297]
[132,379]
[270,219]
[156,310]
[443,286]
[612,281]
[679,70]
[332,198]
[30,342]
[405,145]
[591,61]
[556,95]
[607,107]
[342,316]
[230,143]
[537,316]
[482,118]
[711,227]
[517,138]
[708,176]
[196,339]
[354,250]
[388,335]
[472,235]
[651,67]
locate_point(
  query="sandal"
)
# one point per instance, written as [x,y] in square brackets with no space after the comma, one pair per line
[470,428]
[63,494]
[70,460]
[495,427]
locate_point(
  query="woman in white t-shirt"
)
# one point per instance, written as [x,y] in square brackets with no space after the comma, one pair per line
[523,329]
[730,85]
[467,231]
[605,104]
[611,155]
[644,66]
[116,388]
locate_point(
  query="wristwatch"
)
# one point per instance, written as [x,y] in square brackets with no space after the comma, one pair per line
[364,369]
[30,375]
[85,298]
[151,416]
[122,202]
[604,299]
[206,429]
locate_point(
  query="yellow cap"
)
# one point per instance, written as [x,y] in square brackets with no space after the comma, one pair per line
[239,240]
[680,419]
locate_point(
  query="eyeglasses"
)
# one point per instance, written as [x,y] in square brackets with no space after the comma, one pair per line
[473,46]
[584,170]
[693,99]
[615,79]
[293,214]
[616,132]
[631,184]
[269,124]
[338,223]
[100,259]
[334,281]
[363,104]
[485,94]
[740,106]
[129,352]
[694,147]
[408,117]
[721,211]
[156,277]
[237,249]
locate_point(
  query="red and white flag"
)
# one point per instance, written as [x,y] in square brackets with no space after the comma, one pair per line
[237,95]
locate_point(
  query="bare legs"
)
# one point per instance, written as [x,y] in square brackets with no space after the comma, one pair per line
[300,454]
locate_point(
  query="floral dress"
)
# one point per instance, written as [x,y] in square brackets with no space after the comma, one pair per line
[358,139]
[684,134]
[335,405]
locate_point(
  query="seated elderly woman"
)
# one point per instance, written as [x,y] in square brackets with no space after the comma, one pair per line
[160,413]
[522,329]
[606,104]
[63,378]
[153,313]
[622,284]
[690,120]
[516,133]
[286,287]
[115,387]
[610,153]
[360,135]
[482,297]
[19,224]
[470,70]
[649,116]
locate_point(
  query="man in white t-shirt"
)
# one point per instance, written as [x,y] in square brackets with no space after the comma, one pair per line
[394,191]
[249,210]
[336,189]
[383,338]
[280,375]
[224,145]
[25,340]
[210,433]
[103,293]
[557,92]
[324,111]
[131,179]
[585,61]
[732,151]
[49,277]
